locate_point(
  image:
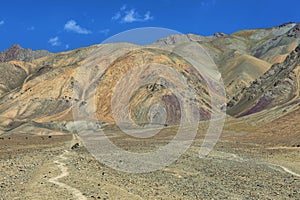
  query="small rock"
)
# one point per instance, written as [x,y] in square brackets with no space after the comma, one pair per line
[75,146]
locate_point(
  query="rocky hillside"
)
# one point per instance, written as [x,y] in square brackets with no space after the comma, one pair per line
[260,70]
[279,86]
[16,52]
[245,55]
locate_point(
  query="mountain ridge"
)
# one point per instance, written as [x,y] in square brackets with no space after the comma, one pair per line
[40,88]
[16,52]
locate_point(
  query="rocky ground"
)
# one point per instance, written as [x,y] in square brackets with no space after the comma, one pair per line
[42,167]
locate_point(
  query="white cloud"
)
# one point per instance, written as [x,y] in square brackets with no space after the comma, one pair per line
[133,16]
[1,22]
[74,27]
[104,31]
[67,46]
[130,16]
[54,41]
[148,16]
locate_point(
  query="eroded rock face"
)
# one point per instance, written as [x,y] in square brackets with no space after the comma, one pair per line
[294,32]
[11,76]
[277,87]
[148,88]
[16,52]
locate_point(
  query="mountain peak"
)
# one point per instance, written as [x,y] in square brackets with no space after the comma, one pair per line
[286,24]
[16,52]
[15,46]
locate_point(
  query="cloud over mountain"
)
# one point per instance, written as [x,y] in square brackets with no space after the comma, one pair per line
[72,26]
[125,15]
[54,41]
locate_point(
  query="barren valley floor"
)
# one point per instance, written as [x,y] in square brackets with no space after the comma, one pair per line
[42,167]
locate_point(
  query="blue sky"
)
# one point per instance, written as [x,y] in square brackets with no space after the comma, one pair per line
[59,25]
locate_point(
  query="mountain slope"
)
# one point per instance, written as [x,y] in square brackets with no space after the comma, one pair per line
[277,87]
[42,88]
[16,52]
[240,71]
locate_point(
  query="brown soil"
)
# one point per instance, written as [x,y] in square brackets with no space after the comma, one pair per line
[233,170]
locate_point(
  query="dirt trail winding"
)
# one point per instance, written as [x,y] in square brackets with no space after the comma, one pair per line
[64,173]
[231,156]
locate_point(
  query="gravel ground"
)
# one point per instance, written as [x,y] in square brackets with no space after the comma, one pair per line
[231,171]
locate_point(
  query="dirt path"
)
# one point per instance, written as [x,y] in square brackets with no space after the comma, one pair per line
[284,169]
[60,163]
[232,156]
[57,172]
